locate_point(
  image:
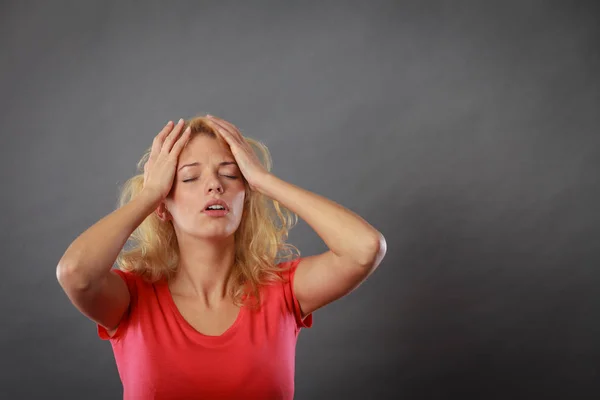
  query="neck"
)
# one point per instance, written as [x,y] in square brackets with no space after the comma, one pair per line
[204,269]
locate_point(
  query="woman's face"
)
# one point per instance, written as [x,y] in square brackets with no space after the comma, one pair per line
[206,171]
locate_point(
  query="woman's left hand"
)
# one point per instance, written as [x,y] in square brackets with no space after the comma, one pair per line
[247,161]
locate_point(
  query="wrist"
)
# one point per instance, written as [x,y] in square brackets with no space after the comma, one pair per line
[150,198]
[263,182]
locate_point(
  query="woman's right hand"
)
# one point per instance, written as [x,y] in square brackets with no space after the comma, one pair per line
[159,170]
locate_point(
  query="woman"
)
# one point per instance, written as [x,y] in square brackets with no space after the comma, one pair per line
[205,304]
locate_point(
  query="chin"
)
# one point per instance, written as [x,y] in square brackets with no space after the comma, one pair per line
[213,234]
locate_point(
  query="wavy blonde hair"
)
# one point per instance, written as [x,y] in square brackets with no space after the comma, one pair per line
[260,239]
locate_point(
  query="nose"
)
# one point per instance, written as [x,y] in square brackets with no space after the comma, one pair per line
[216,189]
[214,185]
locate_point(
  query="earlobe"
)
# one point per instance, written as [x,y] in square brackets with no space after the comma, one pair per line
[162,213]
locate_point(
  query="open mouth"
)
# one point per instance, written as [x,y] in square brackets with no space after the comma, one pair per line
[216,211]
[215,207]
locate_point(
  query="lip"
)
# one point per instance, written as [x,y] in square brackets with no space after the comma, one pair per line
[217,202]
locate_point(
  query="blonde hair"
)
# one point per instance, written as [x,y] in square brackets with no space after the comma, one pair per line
[260,238]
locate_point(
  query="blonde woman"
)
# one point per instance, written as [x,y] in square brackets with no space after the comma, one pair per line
[208,300]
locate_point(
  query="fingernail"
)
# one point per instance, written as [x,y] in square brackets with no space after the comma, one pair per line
[180,120]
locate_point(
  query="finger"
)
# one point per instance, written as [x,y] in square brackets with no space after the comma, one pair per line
[223,122]
[181,142]
[158,140]
[223,132]
[170,140]
[219,121]
[230,128]
[222,129]
[231,136]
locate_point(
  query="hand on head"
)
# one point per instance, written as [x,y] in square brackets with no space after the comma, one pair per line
[159,170]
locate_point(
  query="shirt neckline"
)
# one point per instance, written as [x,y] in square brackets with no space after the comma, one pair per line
[225,336]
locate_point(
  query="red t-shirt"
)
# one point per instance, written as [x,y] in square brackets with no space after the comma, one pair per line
[159,355]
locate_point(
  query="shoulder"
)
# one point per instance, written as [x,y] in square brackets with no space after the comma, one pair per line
[136,282]
[287,268]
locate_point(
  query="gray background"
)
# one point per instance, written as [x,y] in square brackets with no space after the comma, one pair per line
[466,132]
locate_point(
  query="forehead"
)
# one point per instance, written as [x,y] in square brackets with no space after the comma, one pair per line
[203,147]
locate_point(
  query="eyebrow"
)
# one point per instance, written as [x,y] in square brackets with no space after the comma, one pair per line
[197,163]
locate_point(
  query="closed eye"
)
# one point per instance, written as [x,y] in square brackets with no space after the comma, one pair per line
[193,179]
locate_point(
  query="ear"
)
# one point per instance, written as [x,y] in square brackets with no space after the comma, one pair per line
[162,213]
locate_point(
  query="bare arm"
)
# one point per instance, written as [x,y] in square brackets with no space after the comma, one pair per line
[84,271]
[355,247]
[91,256]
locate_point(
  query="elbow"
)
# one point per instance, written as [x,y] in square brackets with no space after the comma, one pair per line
[380,248]
[374,252]
[70,277]
[62,270]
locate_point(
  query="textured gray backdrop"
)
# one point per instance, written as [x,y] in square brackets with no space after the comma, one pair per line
[467,132]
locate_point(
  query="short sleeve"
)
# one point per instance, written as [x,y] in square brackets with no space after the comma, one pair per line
[129,279]
[291,299]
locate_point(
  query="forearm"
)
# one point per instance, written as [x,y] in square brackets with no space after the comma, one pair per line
[345,233]
[91,256]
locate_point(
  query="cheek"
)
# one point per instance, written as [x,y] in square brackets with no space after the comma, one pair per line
[178,199]
[183,202]
[238,201]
